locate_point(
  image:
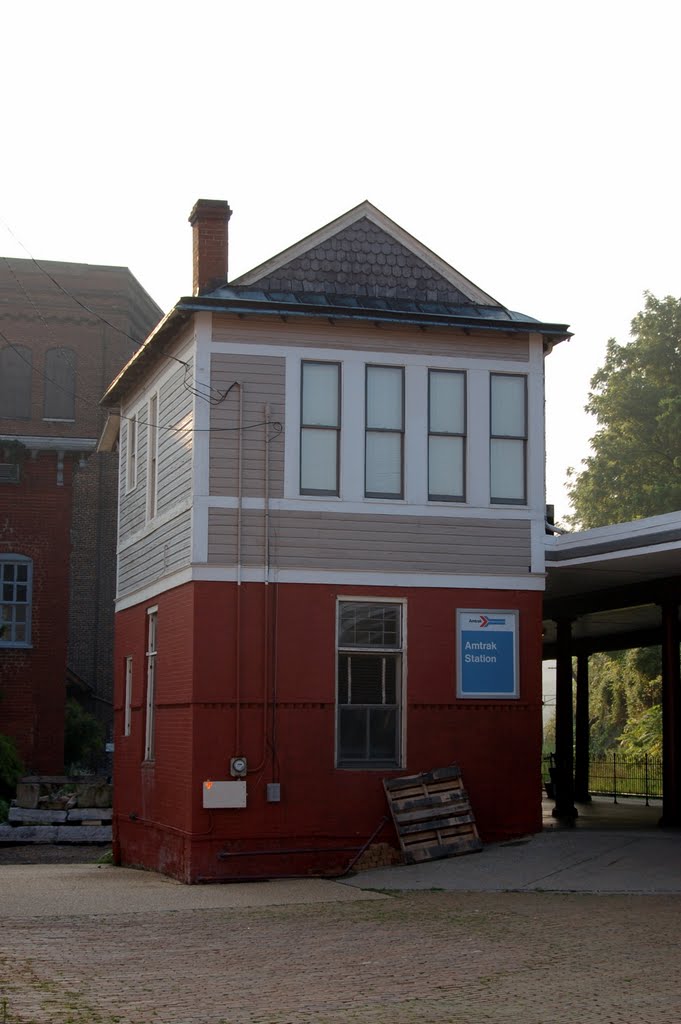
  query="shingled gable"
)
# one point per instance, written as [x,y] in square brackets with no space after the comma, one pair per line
[364,253]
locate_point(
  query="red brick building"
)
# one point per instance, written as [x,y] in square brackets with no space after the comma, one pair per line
[330,553]
[57,495]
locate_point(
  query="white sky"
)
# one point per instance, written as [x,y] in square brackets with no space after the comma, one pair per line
[536,146]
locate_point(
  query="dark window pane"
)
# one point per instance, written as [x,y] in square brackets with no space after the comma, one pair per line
[352,738]
[21,591]
[60,384]
[366,674]
[8,591]
[382,734]
[391,680]
[22,573]
[15,382]
[8,571]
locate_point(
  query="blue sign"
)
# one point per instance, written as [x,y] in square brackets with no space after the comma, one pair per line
[487,653]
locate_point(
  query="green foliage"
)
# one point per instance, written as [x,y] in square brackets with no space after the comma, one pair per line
[635,468]
[643,734]
[11,768]
[83,737]
[623,686]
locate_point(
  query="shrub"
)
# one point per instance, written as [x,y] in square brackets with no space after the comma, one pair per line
[11,768]
[83,737]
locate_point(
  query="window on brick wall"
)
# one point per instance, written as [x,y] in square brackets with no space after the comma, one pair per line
[127,700]
[60,384]
[150,702]
[15,382]
[16,580]
[370,658]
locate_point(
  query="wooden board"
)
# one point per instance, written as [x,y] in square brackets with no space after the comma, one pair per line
[432,815]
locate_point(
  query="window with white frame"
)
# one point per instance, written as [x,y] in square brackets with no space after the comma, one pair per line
[127,704]
[152,470]
[446,435]
[384,441]
[508,438]
[131,455]
[16,580]
[320,421]
[150,703]
[369,696]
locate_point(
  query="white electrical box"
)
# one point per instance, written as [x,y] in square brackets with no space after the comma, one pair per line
[224,794]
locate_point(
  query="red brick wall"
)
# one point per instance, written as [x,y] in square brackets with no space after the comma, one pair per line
[32,684]
[497,743]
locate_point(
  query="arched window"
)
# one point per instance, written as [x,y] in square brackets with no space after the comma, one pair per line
[16,583]
[15,382]
[60,384]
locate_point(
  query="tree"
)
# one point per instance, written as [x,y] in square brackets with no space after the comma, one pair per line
[635,468]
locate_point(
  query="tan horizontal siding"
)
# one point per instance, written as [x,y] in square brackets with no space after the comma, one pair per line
[432,342]
[166,549]
[263,380]
[380,543]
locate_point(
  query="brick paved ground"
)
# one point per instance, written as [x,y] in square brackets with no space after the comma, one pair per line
[431,957]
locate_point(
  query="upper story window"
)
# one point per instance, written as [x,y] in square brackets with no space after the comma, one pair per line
[320,428]
[508,438]
[152,473]
[16,579]
[384,441]
[131,454]
[60,384]
[15,382]
[446,435]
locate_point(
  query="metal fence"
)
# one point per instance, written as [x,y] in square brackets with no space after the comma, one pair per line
[618,776]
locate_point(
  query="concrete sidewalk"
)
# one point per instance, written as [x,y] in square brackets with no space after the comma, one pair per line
[570,860]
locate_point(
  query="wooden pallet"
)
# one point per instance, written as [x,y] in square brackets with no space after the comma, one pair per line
[432,815]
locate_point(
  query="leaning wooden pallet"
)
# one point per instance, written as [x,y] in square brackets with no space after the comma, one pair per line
[432,815]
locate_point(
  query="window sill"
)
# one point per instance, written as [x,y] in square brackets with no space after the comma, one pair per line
[369,766]
[7,646]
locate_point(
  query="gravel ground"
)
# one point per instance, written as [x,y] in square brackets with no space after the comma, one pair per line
[52,853]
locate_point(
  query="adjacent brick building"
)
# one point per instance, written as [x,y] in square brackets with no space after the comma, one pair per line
[66,330]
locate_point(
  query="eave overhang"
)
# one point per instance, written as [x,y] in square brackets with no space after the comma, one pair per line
[329,308]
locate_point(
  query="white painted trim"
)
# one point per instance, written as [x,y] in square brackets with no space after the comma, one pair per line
[615,556]
[379,507]
[368,210]
[203,323]
[53,444]
[390,358]
[477,462]
[216,574]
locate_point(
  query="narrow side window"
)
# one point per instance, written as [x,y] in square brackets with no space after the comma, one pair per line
[150,702]
[16,585]
[127,705]
[131,454]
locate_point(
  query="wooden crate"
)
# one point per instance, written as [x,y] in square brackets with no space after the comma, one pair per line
[432,815]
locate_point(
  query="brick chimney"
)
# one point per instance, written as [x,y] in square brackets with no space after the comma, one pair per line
[209,220]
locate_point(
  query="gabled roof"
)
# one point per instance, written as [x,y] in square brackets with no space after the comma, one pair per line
[365,253]
[360,267]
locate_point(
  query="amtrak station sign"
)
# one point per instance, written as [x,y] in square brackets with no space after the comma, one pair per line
[487,653]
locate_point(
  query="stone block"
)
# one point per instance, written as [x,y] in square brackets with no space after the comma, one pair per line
[27,816]
[89,813]
[28,794]
[29,833]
